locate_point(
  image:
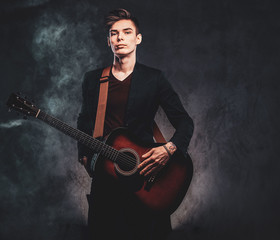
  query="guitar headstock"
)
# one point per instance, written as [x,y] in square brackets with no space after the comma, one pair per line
[22,105]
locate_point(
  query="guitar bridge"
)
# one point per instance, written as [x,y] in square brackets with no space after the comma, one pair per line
[152,179]
[150,182]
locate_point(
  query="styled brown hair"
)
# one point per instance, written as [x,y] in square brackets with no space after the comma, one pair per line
[117,15]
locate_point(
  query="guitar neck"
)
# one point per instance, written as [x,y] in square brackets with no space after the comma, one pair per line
[92,143]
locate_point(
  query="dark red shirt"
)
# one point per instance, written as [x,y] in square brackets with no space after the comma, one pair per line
[116,103]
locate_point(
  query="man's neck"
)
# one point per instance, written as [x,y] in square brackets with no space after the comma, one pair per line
[124,65]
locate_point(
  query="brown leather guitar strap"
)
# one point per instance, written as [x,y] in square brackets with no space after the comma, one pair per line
[101,109]
[102,102]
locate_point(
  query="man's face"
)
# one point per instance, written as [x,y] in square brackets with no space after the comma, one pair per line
[122,38]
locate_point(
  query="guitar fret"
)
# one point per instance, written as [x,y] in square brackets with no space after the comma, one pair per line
[116,156]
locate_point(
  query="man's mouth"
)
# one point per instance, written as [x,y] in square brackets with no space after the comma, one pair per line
[121,46]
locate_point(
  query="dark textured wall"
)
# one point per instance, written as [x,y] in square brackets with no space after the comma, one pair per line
[222,58]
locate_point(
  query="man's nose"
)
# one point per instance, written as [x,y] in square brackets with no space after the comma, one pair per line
[120,36]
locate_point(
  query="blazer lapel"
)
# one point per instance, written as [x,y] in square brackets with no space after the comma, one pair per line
[134,87]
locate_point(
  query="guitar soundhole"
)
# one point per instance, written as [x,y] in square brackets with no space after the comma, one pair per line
[127,162]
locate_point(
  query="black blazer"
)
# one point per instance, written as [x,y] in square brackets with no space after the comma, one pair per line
[149,89]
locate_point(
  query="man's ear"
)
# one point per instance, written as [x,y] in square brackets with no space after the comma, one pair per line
[138,38]
[108,42]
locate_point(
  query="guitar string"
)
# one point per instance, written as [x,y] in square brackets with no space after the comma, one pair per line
[112,153]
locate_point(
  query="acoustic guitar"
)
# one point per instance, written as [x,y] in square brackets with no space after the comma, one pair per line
[118,158]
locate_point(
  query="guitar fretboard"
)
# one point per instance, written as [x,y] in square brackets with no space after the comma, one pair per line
[92,143]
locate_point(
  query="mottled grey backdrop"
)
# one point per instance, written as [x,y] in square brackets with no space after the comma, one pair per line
[222,58]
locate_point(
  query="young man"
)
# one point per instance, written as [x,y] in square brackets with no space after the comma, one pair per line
[135,92]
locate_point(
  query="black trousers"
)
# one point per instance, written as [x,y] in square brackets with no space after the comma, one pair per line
[116,214]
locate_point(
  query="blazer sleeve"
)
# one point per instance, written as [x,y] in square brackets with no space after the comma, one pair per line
[176,114]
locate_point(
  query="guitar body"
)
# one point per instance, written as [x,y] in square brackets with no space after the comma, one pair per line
[162,194]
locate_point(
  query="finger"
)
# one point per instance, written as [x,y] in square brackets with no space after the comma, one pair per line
[145,162]
[153,171]
[162,161]
[147,168]
[153,158]
[157,166]
[147,154]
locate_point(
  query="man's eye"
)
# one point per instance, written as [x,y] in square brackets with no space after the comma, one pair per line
[113,34]
[127,32]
